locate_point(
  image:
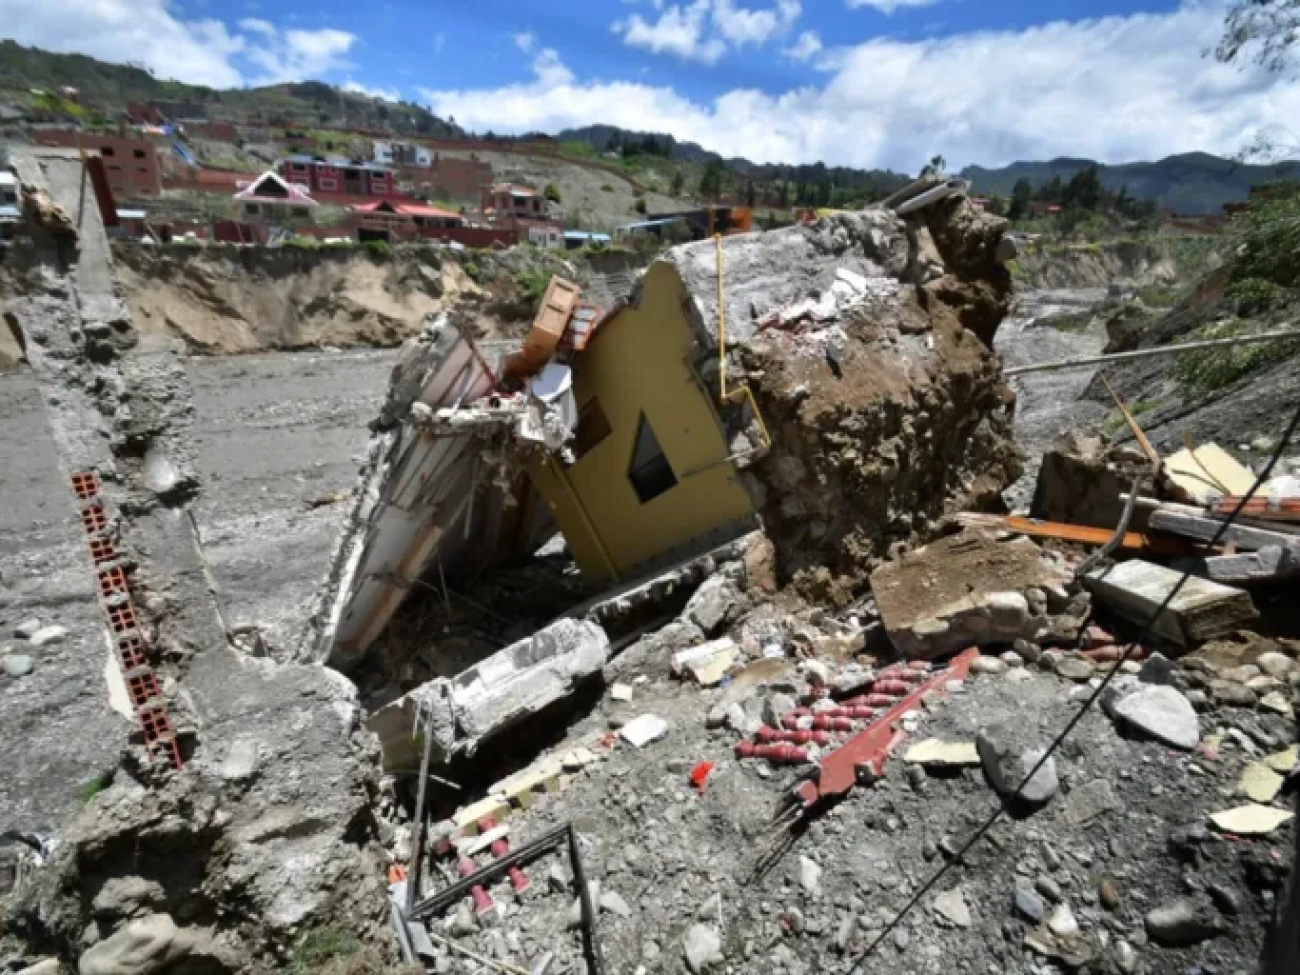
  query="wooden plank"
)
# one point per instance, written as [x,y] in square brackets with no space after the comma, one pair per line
[1078,534]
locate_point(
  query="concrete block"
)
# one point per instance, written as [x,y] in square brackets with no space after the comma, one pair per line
[523,787]
[1201,611]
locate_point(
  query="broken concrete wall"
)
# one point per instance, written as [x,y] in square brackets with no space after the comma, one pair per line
[267,827]
[463,712]
[864,340]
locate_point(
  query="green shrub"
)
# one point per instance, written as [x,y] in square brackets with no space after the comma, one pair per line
[532,283]
[321,946]
[473,271]
[302,243]
[606,188]
[1255,296]
[1269,234]
[552,193]
[378,248]
[1208,370]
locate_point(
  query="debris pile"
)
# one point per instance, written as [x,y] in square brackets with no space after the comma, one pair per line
[864,341]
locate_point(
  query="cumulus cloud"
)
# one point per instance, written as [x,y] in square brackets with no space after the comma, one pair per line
[154,34]
[805,48]
[525,41]
[887,7]
[705,30]
[1115,88]
[679,31]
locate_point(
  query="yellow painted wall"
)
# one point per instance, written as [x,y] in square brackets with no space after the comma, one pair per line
[638,363]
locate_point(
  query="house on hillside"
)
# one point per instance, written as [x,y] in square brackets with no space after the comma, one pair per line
[396,220]
[339,175]
[132,163]
[272,197]
[506,204]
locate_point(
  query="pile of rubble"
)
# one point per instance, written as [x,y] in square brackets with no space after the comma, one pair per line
[699,768]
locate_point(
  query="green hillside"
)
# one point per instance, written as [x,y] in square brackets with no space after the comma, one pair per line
[105,88]
[1193,183]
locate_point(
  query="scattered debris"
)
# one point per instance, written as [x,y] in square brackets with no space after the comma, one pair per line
[942,754]
[1160,712]
[1251,820]
[639,732]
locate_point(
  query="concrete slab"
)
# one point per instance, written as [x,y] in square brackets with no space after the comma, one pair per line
[1202,609]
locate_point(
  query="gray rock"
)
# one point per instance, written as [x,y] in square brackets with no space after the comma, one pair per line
[703,949]
[1126,959]
[844,933]
[1162,713]
[1028,650]
[48,636]
[1049,888]
[1156,669]
[1232,694]
[142,947]
[1075,668]
[613,903]
[1275,664]
[951,906]
[1028,904]
[1184,922]
[902,938]
[810,876]
[777,706]
[1062,922]
[46,966]
[462,922]
[126,896]
[1007,761]
[1089,801]
[25,629]
[18,665]
[575,909]
[712,604]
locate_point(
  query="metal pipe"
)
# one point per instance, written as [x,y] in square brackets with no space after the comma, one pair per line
[1097,360]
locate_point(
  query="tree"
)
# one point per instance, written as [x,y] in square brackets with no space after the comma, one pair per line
[1266,28]
[711,180]
[678,184]
[1084,189]
[997,205]
[552,192]
[640,207]
[1022,194]
[749,193]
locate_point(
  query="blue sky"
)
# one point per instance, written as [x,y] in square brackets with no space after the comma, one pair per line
[860,82]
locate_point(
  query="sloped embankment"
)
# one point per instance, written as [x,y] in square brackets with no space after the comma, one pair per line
[227,300]
[1153,261]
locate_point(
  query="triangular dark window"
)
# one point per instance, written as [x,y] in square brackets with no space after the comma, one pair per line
[650,473]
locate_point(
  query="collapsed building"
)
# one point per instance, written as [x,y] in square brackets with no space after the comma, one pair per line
[809,407]
[820,381]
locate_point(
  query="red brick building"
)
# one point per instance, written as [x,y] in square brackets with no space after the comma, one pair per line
[458,179]
[338,175]
[132,163]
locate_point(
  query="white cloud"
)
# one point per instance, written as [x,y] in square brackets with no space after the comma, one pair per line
[154,34]
[256,26]
[806,47]
[357,88]
[887,7]
[1116,89]
[704,30]
[679,31]
[525,41]
[740,26]
[439,40]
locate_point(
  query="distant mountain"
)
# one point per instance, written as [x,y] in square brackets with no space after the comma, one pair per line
[107,87]
[1193,183]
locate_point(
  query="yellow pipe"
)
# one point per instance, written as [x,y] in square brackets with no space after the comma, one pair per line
[587,523]
[725,395]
